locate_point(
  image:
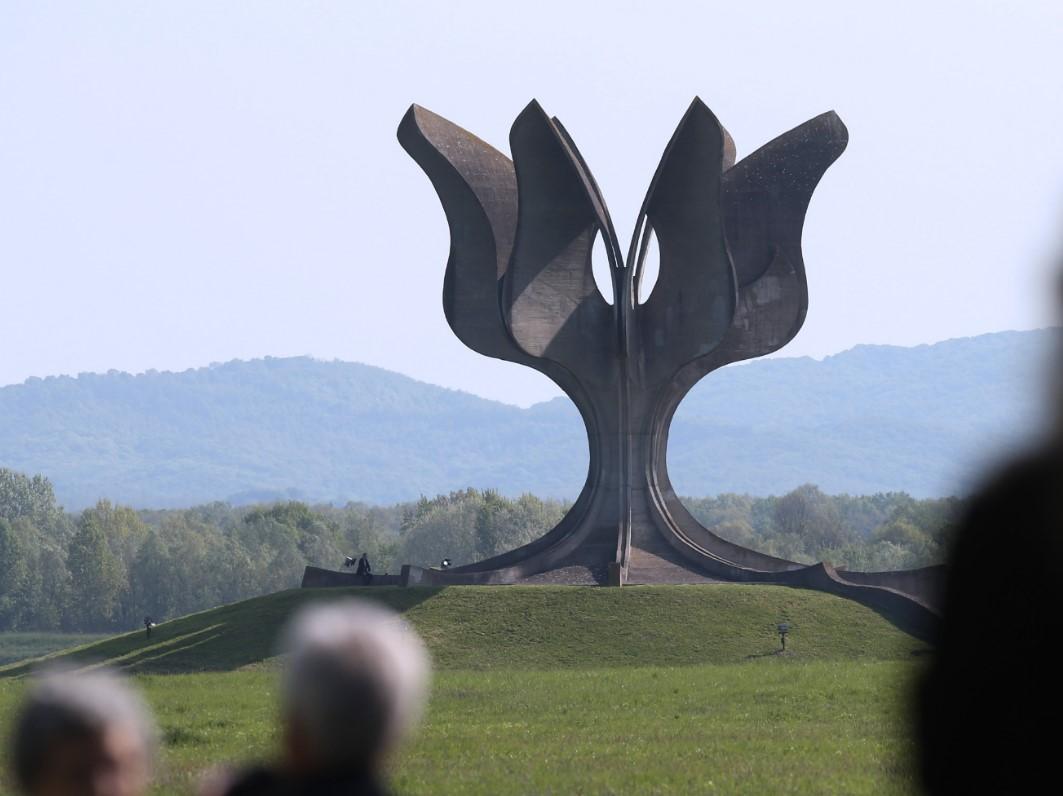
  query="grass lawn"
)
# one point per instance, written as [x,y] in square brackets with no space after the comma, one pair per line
[567,690]
[768,726]
[535,627]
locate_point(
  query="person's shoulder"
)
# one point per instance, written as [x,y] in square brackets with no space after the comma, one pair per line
[257,781]
[356,784]
[1009,533]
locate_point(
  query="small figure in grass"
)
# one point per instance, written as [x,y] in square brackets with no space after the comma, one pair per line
[783,628]
[149,623]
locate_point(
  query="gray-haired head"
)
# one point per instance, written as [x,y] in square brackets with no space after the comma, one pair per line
[74,726]
[355,684]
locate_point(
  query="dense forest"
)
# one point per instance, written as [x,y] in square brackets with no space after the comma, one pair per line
[107,567]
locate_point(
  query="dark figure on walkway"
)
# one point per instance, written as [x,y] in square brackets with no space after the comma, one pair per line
[354,686]
[148,625]
[991,703]
[364,568]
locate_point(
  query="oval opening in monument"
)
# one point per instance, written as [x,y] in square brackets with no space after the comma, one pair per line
[602,270]
[651,267]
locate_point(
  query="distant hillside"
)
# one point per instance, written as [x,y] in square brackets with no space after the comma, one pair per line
[875,418]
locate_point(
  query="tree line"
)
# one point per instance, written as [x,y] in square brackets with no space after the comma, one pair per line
[868,533]
[109,566]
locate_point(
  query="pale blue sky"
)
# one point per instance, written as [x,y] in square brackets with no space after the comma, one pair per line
[182,183]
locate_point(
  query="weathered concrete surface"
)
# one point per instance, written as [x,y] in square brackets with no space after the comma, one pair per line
[926,584]
[731,286]
[317,578]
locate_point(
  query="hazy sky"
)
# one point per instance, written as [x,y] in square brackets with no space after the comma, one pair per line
[183,183]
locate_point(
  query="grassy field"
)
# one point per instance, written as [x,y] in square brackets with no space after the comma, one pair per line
[19,646]
[570,690]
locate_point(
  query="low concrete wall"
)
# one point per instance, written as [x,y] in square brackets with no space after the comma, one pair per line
[925,584]
[904,610]
[422,576]
[317,578]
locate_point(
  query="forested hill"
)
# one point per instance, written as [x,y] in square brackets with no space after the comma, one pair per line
[875,418]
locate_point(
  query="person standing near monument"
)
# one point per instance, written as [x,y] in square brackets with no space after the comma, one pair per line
[364,568]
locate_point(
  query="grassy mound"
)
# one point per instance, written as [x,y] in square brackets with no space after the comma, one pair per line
[539,627]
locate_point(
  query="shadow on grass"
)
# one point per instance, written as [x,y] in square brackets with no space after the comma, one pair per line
[221,639]
[779,653]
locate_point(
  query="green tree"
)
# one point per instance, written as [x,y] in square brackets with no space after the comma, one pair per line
[443,528]
[23,497]
[51,595]
[154,580]
[811,520]
[96,578]
[15,578]
[125,532]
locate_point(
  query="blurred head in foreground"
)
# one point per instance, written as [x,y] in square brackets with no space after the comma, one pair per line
[81,735]
[354,686]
